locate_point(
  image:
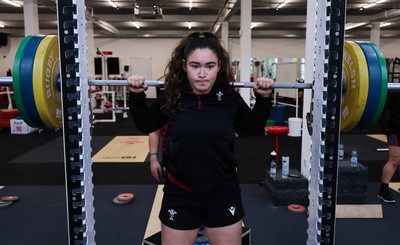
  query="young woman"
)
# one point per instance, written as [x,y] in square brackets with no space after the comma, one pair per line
[202,113]
[391,119]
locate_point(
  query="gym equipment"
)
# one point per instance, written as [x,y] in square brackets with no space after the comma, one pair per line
[37,71]
[296,208]
[276,130]
[9,198]
[325,111]
[123,198]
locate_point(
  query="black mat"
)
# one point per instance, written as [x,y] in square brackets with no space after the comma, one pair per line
[41,216]
[53,151]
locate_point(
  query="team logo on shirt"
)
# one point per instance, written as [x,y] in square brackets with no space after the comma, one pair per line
[172,214]
[219,95]
[232,210]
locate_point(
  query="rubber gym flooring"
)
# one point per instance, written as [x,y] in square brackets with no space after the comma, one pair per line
[31,166]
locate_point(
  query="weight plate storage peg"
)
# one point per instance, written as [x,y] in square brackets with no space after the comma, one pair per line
[46,72]
[355,86]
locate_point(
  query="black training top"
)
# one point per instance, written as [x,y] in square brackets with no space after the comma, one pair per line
[199,140]
[392,109]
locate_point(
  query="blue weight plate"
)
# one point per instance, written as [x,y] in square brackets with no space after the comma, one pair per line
[26,78]
[374,72]
[384,84]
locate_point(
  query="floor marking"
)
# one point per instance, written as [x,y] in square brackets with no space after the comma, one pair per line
[359,211]
[380,137]
[154,224]
[395,186]
[124,149]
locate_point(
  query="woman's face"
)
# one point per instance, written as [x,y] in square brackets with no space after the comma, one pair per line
[202,67]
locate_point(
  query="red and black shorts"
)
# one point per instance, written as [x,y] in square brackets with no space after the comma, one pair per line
[184,210]
[393,140]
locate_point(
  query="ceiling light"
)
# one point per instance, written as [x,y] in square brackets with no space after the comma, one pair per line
[354,25]
[383,24]
[282,4]
[136,24]
[190,5]
[106,26]
[112,3]
[253,24]
[189,25]
[12,3]
[372,4]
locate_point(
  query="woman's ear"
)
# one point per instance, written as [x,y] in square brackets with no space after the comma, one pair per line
[184,64]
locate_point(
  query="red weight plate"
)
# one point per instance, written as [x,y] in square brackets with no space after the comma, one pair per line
[296,208]
[9,198]
[125,197]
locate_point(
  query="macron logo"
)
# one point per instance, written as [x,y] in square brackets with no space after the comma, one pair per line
[232,210]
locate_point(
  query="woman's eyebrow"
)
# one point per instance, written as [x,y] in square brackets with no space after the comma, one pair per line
[208,63]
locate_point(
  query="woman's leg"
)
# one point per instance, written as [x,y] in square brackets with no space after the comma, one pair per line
[387,174]
[391,165]
[227,235]
[171,236]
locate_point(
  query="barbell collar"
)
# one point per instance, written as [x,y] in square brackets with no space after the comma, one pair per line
[7,81]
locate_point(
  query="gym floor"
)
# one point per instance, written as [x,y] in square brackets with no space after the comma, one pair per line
[31,167]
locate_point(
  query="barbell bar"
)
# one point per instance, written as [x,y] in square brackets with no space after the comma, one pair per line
[36,83]
[7,81]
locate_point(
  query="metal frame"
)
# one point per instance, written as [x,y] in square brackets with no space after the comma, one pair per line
[325,121]
[76,121]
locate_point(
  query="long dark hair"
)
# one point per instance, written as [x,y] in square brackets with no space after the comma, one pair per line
[175,77]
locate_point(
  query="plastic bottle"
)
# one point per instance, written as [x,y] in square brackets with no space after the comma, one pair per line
[341,151]
[354,157]
[285,166]
[272,169]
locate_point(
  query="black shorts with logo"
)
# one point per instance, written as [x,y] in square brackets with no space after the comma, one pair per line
[184,210]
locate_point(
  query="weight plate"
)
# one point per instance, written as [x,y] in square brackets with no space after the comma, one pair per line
[119,202]
[9,198]
[124,197]
[4,204]
[296,208]
[46,72]
[384,84]
[16,82]
[26,81]
[356,87]
[374,74]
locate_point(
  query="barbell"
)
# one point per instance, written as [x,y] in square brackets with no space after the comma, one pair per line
[36,83]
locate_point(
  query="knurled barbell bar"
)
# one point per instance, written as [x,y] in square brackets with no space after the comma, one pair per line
[36,83]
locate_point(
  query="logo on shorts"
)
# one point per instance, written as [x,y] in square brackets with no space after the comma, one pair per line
[172,214]
[232,210]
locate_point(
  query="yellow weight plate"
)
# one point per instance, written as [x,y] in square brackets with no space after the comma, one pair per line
[356,86]
[46,72]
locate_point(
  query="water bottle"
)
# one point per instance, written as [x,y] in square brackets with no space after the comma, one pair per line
[341,151]
[354,157]
[285,167]
[272,170]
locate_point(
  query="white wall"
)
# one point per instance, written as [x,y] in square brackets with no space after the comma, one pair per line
[160,50]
